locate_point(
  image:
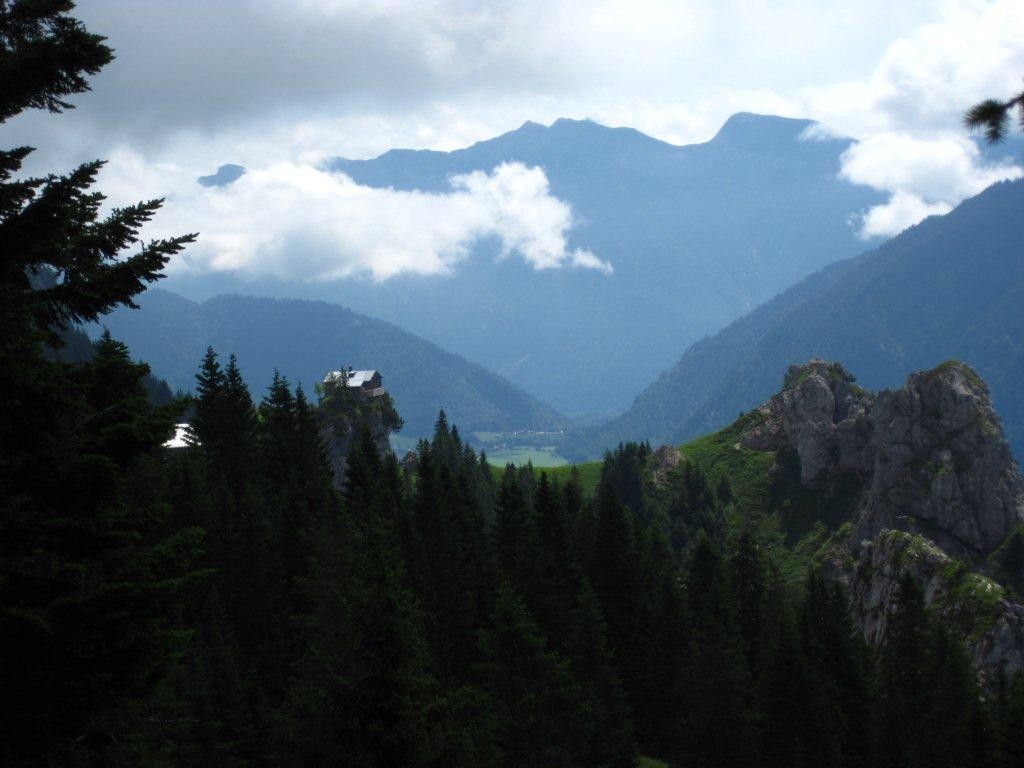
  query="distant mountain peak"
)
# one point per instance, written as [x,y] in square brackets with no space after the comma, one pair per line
[750,130]
[530,126]
[572,121]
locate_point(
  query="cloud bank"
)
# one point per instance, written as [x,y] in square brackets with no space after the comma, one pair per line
[924,176]
[298,221]
[907,112]
[259,83]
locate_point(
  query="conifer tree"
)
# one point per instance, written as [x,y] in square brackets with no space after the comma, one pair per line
[209,400]
[559,575]
[781,687]
[537,705]
[992,116]
[662,626]
[905,660]
[747,571]
[222,730]
[609,729]
[78,554]
[836,704]
[237,428]
[88,553]
[614,577]
[953,703]
[516,539]
[463,580]
[1007,722]
[717,725]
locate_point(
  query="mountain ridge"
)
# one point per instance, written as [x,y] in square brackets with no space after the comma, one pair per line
[949,287]
[697,235]
[305,339]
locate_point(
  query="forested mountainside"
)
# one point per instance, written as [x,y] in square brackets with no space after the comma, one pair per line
[303,340]
[697,235]
[930,490]
[912,484]
[951,287]
[427,614]
[76,347]
[833,580]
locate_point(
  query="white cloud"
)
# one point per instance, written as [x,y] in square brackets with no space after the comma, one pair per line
[199,84]
[904,209]
[297,221]
[924,176]
[907,111]
[944,168]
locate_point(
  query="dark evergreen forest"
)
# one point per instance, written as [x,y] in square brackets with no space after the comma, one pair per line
[224,604]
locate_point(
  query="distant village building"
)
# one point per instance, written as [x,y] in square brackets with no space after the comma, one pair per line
[369,383]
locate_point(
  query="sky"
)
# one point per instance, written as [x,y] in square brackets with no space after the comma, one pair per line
[278,87]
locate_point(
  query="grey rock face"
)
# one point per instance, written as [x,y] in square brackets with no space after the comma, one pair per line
[940,486]
[942,465]
[665,459]
[880,564]
[932,454]
[818,413]
[340,437]
[976,605]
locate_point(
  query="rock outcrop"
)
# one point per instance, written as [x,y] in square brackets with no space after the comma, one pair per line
[940,491]
[340,437]
[820,414]
[973,604]
[344,413]
[941,464]
[663,462]
[932,454]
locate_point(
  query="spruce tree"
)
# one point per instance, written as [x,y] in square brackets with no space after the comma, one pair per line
[559,575]
[538,708]
[614,577]
[610,738]
[82,560]
[93,566]
[747,572]
[662,626]
[516,539]
[1007,722]
[221,726]
[992,116]
[836,703]
[717,724]
[905,661]
[780,685]
[953,703]
[207,424]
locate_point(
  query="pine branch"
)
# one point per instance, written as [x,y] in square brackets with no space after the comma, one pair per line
[993,117]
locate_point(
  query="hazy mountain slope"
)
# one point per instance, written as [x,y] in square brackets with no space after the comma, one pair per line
[697,235]
[306,339]
[952,286]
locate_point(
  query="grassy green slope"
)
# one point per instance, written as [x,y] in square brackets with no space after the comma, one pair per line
[798,519]
[719,456]
[589,474]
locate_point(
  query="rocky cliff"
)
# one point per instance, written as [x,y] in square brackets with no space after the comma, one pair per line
[940,494]
[341,437]
[343,416]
